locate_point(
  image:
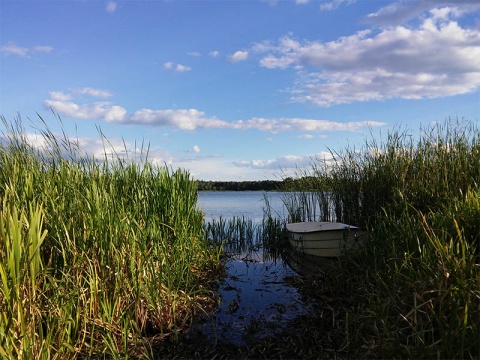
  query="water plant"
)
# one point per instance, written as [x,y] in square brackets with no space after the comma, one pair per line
[98,257]
[413,290]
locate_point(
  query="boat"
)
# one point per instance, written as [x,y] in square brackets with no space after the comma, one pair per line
[325,239]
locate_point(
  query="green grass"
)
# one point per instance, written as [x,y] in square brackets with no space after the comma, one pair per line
[413,291]
[98,257]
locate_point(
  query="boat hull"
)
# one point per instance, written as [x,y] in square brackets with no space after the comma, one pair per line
[324,239]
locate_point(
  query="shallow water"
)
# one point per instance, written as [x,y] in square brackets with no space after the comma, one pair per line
[256,300]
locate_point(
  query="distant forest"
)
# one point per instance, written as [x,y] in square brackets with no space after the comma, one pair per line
[263,185]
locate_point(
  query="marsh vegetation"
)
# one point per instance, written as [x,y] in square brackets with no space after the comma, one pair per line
[112,258]
[414,290]
[98,257]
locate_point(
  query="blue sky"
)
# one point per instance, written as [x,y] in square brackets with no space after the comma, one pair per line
[237,90]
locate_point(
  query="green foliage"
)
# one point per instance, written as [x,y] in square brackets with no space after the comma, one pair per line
[413,290]
[356,185]
[98,257]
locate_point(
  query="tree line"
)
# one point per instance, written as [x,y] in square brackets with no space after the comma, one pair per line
[287,184]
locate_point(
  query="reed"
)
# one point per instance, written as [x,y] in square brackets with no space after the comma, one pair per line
[413,290]
[98,257]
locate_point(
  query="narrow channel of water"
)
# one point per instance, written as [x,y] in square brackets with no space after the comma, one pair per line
[256,300]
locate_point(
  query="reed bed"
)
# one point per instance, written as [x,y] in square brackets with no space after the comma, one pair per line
[413,290]
[98,257]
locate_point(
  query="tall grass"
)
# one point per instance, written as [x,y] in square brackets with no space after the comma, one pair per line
[98,257]
[414,289]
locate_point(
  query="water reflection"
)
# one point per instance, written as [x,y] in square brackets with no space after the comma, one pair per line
[255,300]
[257,296]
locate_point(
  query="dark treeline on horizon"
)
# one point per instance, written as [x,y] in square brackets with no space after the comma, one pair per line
[263,185]
[260,185]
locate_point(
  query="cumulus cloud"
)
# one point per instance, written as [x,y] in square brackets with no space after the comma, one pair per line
[196,149]
[183,119]
[238,56]
[214,53]
[65,103]
[436,59]
[10,48]
[192,119]
[61,103]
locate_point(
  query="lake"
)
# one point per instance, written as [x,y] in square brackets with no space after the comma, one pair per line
[249,204]
[255,298]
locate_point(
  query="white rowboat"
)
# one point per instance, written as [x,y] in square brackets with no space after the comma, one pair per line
[325,239]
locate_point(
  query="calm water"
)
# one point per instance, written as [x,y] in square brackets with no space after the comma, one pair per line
[256,300]
[250,204]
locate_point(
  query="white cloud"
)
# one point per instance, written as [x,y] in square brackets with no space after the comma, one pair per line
[97,110]
[298,124]
[214,53]
[239,56]
[401,12]
[272,62]
[93,92]
[182,68]
[196,149]
[284,162]
[335,4]
[178,67]
[194,53]
[59,96]
[111,7]
[438,58]
[11,48]
[184,119]
[61,102]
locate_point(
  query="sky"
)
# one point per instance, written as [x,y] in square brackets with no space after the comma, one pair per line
[236,90]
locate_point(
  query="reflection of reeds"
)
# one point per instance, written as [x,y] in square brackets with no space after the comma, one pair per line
[239,235]
[97,258]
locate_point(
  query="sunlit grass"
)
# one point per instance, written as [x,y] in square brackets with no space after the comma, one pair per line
[98,257]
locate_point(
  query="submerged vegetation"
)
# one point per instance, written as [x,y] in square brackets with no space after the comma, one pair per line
[98,257]
[414,289]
